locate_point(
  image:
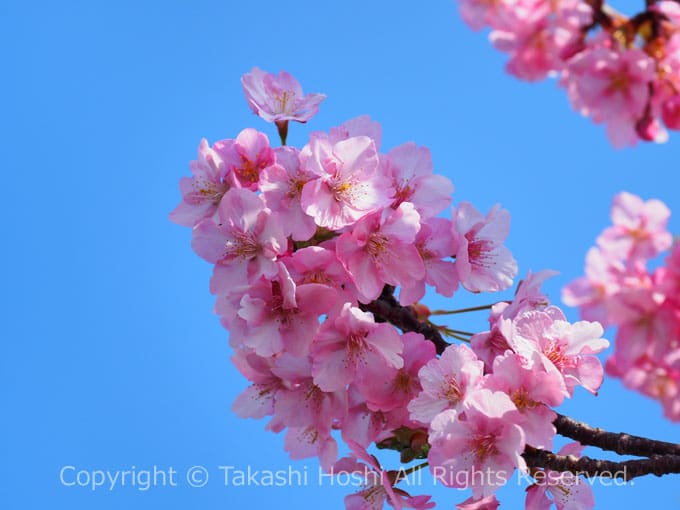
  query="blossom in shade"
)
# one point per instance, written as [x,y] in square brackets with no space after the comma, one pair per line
[245,243]
[480,450]
[278,98]
[482,262]
[202,193]
[446,382]
[348,183]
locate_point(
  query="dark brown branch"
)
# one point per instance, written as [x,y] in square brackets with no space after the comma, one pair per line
[387,309]
[619,442]
[658,465]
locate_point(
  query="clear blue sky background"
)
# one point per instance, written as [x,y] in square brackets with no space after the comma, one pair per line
[110,354]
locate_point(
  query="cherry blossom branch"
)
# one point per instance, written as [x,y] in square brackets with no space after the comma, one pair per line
[658,465]
[387,309]
[619,442]
[664,457]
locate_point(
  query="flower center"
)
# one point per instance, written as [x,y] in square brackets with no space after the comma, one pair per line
[243,246]
[484,446]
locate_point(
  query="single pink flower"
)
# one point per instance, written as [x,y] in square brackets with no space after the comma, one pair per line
[533,391]
[434,243]
[348,183]
[378,484]
[278,98]
[256,401]
[538,39]
[277,319]
[611,86]
[358,126]
[306,442]
[352,343]
[387,388]
[246,157]
[245,243]
[281,185]
[364,425]
[316,264]
[638,230]
[410,169]
[482,262]
[565,347]
[301,403]
[446,382]
[380,250]
[596,292]
[202,193]
[567,490]
[480,450]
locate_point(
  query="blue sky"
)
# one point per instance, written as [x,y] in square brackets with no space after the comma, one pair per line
[111,357]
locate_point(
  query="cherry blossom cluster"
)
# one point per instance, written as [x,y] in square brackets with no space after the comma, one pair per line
[620,289]
[304,240]
[621,71]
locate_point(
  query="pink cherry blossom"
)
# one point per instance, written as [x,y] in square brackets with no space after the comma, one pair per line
[358,126]
[380,249]
[567,490]
[301,403]
[202,193]
[349,184]
[378,484]
[279,97]
[364,425]
[532,390]
[482,262]
[446,382]
[565,347]
[281,185]
[387,388]
[596,291]
[305,442]
[246,157]
[481,450]
[276,318]
[638,230]
[479,13]
[244,245]
[410,169]
[487,503]
[352,343]
[434,243]
[256,401]
[612,86]
[538,39]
